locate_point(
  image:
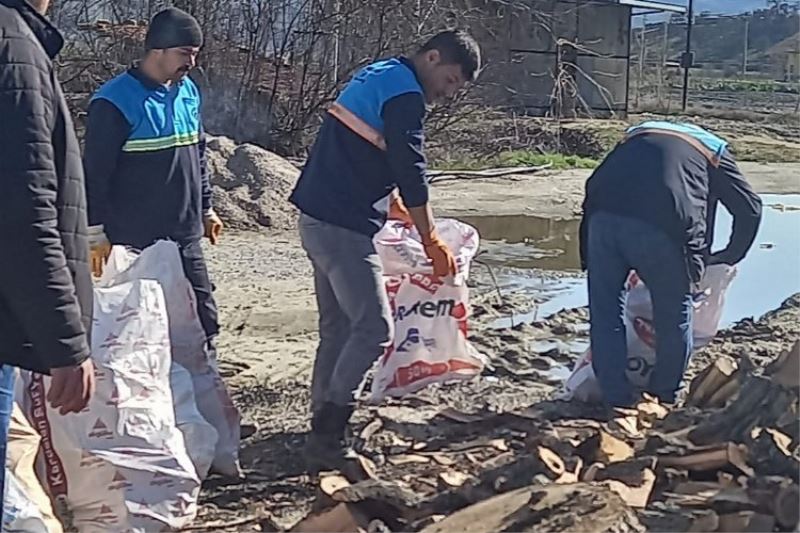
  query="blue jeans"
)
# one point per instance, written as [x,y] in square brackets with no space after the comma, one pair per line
[616,245]
[7,374]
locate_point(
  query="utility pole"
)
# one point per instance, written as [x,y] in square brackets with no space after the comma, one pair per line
[746,42]
[642,54]
[662,82]
[687,60]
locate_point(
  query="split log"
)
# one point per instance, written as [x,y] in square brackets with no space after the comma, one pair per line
[785,369]
[711,458]
[605,448]
[554,508]
[715,384]
[761,403]
[343,518]
[746,522]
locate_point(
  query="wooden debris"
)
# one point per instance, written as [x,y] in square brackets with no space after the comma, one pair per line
[343,518]
[714,377]
[785,370]
[550,508]
[329,485]
[499,445]
[746,522]
[551,461]
[711,458]
[371,429]
[442,459]
[459,416]
[572,471]
[590,474]
[628,425]
[700,489]
[724,394]
[612,449]
[704,522]
[362,468]
[786,509]
[761,402]
[605,448]
[652,409]
[782,441]
[453,478]
[388,501]
[408,458]
[636,496]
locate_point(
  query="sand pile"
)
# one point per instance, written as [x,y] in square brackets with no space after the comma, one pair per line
[251,185]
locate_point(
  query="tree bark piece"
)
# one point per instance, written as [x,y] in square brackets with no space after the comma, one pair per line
[711,458]
[711,380]
[554,508]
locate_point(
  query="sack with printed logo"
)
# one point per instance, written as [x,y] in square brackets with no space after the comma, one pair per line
[430,315]
[640,334]
[26,506]
[162,262]
[133,459]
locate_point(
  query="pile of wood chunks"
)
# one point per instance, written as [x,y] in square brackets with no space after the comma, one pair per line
[727,460]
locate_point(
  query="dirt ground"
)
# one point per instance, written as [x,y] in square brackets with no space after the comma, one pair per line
[268,314]
[559,194]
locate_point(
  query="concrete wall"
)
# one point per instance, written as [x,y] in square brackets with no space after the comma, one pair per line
[583,43]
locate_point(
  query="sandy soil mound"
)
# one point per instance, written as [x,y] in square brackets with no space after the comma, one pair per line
[251,185]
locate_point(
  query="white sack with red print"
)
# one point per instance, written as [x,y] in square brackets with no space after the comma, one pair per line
[430,315]
[640,334]
[134,458]
[162,262]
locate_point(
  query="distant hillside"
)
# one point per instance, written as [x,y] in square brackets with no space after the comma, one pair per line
[719,41]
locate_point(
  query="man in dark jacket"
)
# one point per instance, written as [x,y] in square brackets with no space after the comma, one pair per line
[146,172]
[45,285]
[370,144]
[650,206]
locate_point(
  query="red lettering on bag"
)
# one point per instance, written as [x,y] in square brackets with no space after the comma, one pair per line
[426,282]
[54,469]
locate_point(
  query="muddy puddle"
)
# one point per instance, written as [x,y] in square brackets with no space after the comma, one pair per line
[539,257]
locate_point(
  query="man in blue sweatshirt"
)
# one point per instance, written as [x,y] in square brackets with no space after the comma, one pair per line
[145,165]
[370,143]
[650,206]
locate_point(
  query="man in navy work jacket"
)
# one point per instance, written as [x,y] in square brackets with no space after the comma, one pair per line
[370,144]
[146,173]
[650,206]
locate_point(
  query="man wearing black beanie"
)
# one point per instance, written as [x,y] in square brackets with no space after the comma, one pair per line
[146,172]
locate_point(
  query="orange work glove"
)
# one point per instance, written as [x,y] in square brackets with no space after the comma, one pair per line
[213,226]
[398,211]
[99,249]
[439,253]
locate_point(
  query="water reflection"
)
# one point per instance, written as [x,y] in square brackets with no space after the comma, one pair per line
[547,243]
[769,274]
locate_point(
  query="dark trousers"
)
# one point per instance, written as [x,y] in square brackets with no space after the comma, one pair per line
[194,266]
[616,245]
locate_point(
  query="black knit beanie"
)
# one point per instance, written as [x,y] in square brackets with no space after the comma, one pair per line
[173,28]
